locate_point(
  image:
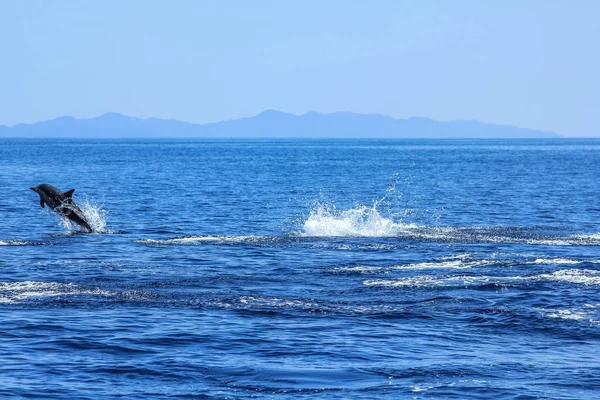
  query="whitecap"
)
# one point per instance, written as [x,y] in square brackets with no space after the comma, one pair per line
[578,276]
[431,281]
[559,261]
[449,264]
[575,276]
[588,315]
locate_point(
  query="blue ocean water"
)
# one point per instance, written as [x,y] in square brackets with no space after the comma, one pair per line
[293,269]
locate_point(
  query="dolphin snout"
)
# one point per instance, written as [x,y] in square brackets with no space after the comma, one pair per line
[32,188]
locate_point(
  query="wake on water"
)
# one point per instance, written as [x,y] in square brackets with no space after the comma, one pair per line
[367,222]
[326,220]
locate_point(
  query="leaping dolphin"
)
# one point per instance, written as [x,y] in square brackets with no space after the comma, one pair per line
[61,203]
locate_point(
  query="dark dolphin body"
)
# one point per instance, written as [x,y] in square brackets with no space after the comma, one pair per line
[62,203]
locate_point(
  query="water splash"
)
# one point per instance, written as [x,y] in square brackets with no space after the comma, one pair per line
[381,219]
[93,213]
[362,221]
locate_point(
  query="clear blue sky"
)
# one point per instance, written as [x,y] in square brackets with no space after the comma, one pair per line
[533,64]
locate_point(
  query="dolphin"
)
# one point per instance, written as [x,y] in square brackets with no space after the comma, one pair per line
[61,203]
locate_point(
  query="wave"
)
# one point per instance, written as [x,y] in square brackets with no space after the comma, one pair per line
[17,292]
[453,264]
[464,261]
[432,281]
[588,312]
[563,261]
[578,276]
[585,277]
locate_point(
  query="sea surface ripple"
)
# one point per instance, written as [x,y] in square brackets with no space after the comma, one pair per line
[294,269]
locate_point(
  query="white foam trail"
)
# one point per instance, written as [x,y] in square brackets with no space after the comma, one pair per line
[277,302]
[463,261]
[431,281]
[450,264]
[494,235]
[594,238]
[576,276]
[562,261]
[192,240]
[568,314]
[15,292]
[309,305]
[325,220]
[357,222]
[15,242]
[360,269]
[589,314]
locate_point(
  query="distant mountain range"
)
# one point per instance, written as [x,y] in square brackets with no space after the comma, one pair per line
[269,124]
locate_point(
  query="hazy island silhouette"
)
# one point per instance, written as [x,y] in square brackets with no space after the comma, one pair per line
[270,124]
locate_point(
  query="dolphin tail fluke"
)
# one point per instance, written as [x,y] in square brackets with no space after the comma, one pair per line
[69,193]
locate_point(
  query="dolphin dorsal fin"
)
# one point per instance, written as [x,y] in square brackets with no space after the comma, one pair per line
[69,193]
[42,203]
